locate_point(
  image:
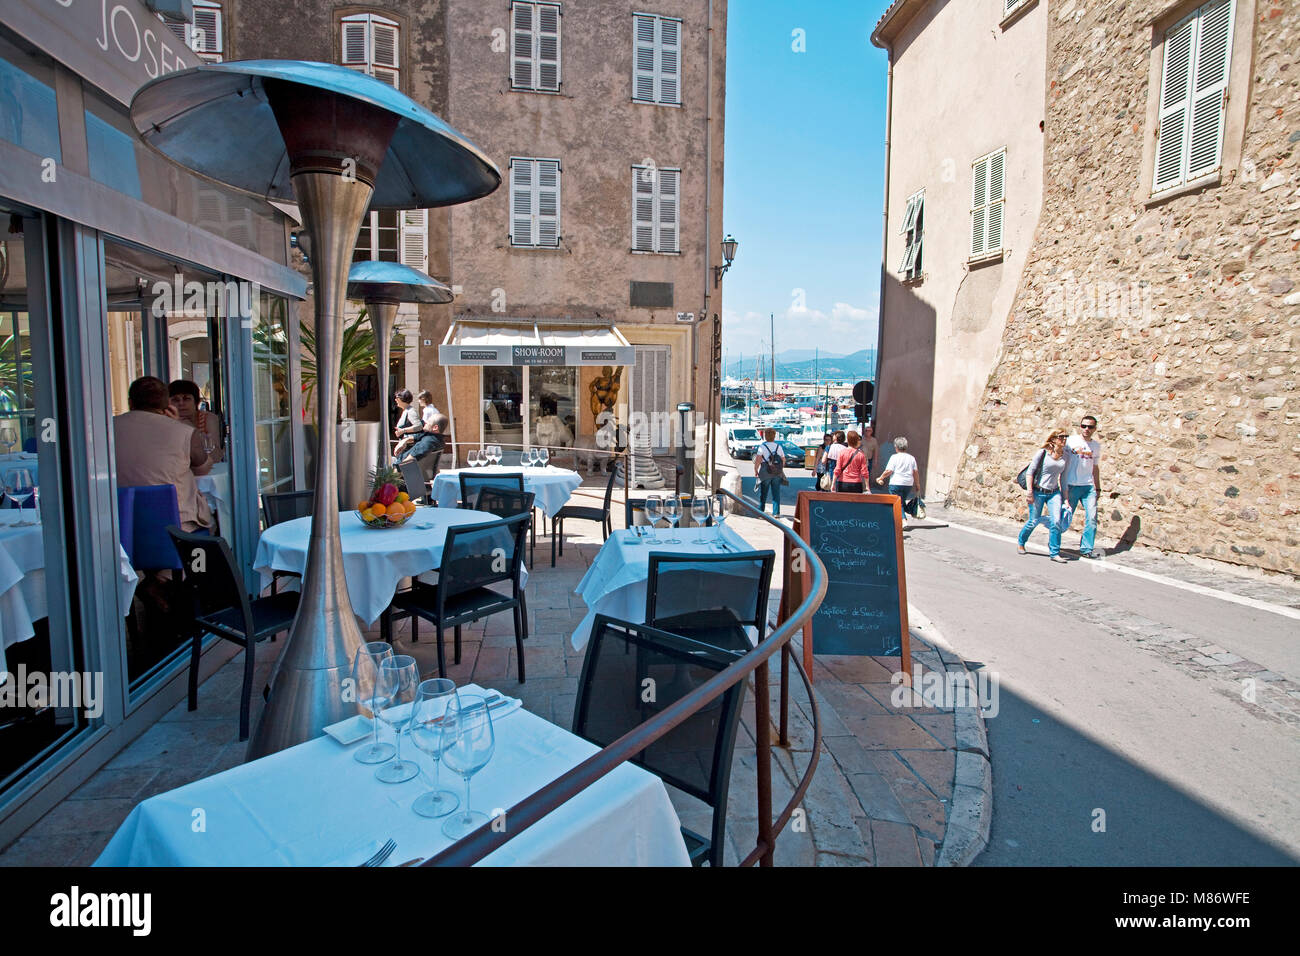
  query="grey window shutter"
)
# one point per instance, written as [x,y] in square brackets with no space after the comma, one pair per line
[415,239]
[643,209]
[548,203]
[644,46]
[670,61]
[669,182]
[356,45]
[207,30]
[1210,85]
[521,46]
[1175,98]
[548,47]
[521,202]
[180,31]
[979,206]
[993,240]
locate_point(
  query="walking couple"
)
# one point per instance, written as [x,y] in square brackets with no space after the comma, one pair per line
[1069,467]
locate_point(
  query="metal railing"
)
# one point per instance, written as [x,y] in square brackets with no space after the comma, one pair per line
[537,805]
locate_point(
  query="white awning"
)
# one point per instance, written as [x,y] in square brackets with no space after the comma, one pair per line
[486,343]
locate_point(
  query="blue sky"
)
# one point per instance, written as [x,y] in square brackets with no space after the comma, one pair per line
[804,174]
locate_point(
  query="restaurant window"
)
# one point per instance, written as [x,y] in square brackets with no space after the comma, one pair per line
[370,45]
[657,59]
[535,202]
[29,116]
[111,146]
[988,196]
[656,195]
[393,235]
[535,47]
[503,406]
[273,422]
[204,35]
[552,406]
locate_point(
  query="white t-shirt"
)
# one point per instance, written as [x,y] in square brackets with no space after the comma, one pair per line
[1080,457]
[429,413]
[902,468]
[408,418]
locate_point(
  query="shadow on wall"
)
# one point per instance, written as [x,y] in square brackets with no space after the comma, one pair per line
[906,385]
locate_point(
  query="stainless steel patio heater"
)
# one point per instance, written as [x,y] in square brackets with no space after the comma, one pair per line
[338,143]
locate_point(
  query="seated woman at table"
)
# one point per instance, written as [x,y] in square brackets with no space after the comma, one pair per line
[408,424]
[153,447]
[185,397]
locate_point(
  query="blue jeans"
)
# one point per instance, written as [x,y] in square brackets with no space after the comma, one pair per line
[1088,495]
[909,501]
[1052,501]
[775,485]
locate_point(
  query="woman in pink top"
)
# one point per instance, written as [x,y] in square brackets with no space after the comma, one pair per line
[851,467]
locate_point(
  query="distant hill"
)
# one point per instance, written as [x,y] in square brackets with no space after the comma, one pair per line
[860,365]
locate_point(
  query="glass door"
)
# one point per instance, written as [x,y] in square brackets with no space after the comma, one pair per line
[503,406]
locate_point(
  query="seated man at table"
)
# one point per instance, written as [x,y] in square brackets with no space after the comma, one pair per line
[153,447]
[428,447]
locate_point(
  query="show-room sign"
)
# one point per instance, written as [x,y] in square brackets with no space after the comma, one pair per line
[859,540]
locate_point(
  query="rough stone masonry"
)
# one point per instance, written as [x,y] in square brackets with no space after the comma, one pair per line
[1172,322]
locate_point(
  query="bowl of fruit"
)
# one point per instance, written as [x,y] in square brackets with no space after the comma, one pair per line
[387,506]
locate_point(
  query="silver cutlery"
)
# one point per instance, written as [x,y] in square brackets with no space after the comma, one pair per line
[381,855]
[492,704]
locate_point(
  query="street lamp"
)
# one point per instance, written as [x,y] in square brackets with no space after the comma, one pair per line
[729,245]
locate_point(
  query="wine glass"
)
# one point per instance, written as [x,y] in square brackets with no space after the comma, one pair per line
[370,700]
[399,676]
[467,748]
[497,454]
[652,506]
[18,488]
[720,518]
[700,508]
[531,458]
[8,439]
[472,458]
[672,511]
[432,699]
[543,456]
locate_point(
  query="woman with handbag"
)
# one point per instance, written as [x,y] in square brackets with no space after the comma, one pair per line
[904,476]
[769,470]
[1043,491]
[832,457]
[851,467]
[820,461]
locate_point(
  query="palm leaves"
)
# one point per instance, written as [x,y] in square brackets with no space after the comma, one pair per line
[357,354]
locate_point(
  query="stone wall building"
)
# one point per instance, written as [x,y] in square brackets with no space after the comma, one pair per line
[1160,289]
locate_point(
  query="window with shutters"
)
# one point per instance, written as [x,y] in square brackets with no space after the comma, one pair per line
[369,45]
[1010,5]
[203,36]
[534,202]
[987,199]
[656,209]
[913,226]
[535,47]
[395,236]
[656,59]
[650,394]
[1193,96]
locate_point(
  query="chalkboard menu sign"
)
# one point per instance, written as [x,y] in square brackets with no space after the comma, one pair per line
[859,540]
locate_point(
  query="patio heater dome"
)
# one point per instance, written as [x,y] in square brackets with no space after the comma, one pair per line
[227,122]
[373,280]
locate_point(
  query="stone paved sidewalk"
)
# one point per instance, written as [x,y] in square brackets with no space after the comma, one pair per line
[894,785]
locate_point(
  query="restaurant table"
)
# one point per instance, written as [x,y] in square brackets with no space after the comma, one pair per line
[374,560]
[215,487]
[551,486]
[22,578]
[314,805]
[615,584]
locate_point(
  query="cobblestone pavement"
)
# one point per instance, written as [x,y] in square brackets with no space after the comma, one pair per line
[894,785]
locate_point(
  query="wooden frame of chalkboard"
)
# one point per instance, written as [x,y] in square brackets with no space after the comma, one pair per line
[839,573]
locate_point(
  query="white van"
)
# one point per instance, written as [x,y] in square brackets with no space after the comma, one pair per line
[742,440]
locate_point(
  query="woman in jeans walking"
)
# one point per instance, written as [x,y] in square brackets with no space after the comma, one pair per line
[851,468]
[903,475]
[1043,491]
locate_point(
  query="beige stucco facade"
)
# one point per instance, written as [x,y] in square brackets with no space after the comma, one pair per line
[962,84]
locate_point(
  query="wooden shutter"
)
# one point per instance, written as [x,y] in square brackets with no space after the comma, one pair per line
[383,52]
[1209,87]
[979,207]
[414,239]
[644,45]
[521,46]
[207,30]
[356,45]
[548,47]
[643,208]
[179,30]
[993,238]
[670,62]
[668,202]
[547,211]
[650,388]
[1175,98]
[521,202]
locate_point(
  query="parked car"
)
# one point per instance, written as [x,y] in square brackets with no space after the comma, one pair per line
[741,441]
[794,454]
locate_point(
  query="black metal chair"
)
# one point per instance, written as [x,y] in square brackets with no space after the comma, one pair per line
[470,483]
[586,513]
[281,507]
[473,558]
[413,477]
[221,606]
[710,598]
[506,503]
[695,756]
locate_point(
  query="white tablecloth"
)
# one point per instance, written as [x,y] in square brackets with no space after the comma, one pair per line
[22,578]
[550,486]
[375,561]
[314,805]
[615,584]
[215,486]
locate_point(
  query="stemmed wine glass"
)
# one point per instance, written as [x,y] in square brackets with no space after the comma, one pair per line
[652,505]
[543,456]
[19,487]
[497,454]
[472,458]
[432,701]
[672,511]
[399,676]
[467,748]
[530,457]
[720,519]
[8,439]
[365,680]
[700,508]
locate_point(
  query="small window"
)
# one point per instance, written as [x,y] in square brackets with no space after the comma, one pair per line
[535,47]
[535,203]
[370,45]
[657,59]
[203,36]
[987,199]
[395,236]
[1193,94]
[1009,5]
[913,226]
[656,204]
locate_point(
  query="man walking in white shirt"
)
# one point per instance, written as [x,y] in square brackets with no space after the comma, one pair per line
[1083,482]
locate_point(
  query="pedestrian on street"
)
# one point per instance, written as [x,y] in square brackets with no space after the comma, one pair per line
[870,447]
[1043,490]
[1083,482]
[820,461]
[851,473]
[837,448]
[769,471]
[903,475]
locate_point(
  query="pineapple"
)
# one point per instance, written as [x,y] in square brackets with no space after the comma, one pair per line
[384,483]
